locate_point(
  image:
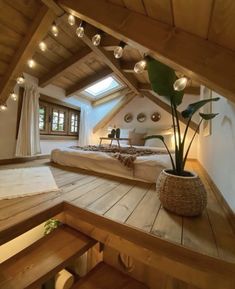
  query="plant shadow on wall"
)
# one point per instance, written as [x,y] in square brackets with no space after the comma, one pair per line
[180,191]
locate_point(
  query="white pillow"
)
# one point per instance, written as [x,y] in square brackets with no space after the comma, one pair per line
[155,142]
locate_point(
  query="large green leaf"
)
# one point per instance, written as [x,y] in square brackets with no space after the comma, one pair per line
[194,107]
[208,116]
[162,79]
[155,136]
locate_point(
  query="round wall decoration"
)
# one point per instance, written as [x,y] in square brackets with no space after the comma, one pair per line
[155,116]
[128,117]
[141,117]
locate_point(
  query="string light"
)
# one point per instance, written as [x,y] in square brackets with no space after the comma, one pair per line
[118,51]
[13,96]
[180,83]
[80,29]
[54,30]
[96,39]
[31,63]
[140,66]
[42,46]
[20,80]
[71,20]
[3,107]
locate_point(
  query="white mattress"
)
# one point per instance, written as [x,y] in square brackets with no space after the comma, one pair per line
[146,168]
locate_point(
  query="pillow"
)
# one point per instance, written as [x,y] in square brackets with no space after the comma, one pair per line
[158,143]
[137,139]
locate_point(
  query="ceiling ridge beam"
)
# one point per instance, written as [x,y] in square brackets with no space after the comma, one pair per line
[28,46]
[89,80]
[167,108]
[79,57]
[199,59]
[114,111]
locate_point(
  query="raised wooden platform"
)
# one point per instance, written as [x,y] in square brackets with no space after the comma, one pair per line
[208,239]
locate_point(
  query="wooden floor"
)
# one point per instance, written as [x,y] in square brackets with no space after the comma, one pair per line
[133,203]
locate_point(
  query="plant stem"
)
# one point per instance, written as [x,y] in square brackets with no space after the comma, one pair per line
[176,147]
[172,162]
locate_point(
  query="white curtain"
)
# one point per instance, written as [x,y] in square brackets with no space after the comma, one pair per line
[28,141]
[85,129]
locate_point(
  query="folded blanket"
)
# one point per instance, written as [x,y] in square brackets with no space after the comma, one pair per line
[126,155]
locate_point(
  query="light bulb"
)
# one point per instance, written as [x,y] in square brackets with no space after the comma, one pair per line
[3,107]
[118,52]
[13,96]
[180,83]
[96,39]
[71,20]
[20,80]
[31,63]
[42,46]
[54,30]
[80,31]
[140,66]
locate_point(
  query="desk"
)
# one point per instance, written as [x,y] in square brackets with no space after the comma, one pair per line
[114,138]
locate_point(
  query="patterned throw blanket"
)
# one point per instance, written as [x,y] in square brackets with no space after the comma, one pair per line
[126,155]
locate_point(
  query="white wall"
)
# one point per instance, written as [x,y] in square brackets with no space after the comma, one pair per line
[217,151]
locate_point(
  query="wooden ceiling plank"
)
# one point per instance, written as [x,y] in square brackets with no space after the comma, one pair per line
[36,32]
[53,6]
[81,85]
[77,58]
[113,64]
[114,111]
[193,16]
[194,90]
[135,5]
[199,59]
[159,10]
[167,108]
[111,96]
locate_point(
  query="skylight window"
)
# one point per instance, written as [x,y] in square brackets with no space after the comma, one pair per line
[103,87]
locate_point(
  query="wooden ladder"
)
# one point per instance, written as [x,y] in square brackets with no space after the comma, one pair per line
[104,276]
[42,260]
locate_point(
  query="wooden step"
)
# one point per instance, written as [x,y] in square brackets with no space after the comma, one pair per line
[104,276]
[43,259]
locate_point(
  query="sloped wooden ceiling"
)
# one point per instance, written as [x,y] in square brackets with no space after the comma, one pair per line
[195,37]
[69,62]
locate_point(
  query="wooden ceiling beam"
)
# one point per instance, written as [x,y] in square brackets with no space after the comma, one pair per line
[114,111]
[81,85]
[199,59]
[108,58]
[194,90]
[111,96]
[79,57]
[36,32]
[128,66]
[167,108]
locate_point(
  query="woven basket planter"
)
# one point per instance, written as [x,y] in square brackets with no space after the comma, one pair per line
[184,196]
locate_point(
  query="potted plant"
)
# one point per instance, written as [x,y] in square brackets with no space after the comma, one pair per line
[180,191]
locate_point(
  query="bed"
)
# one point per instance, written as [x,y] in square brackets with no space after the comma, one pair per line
[146,168]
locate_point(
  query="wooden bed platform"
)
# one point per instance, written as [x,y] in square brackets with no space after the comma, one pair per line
[209,238]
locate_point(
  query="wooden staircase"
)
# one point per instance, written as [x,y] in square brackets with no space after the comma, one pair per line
[42,260]
[104,276]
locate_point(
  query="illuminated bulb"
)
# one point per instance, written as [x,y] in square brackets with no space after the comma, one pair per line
[20,80]
[54,30]
[71,20]
[118,51]
[14,96]
[31,63]
[80,31]
[42,46]
[3,107]
[140,66]
[96,39]
[180,83]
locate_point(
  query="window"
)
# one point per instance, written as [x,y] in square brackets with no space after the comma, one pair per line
[58,120]
[103,87]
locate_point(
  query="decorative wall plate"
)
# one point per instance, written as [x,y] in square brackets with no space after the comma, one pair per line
[155,116]
[141,117]
[128,117]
